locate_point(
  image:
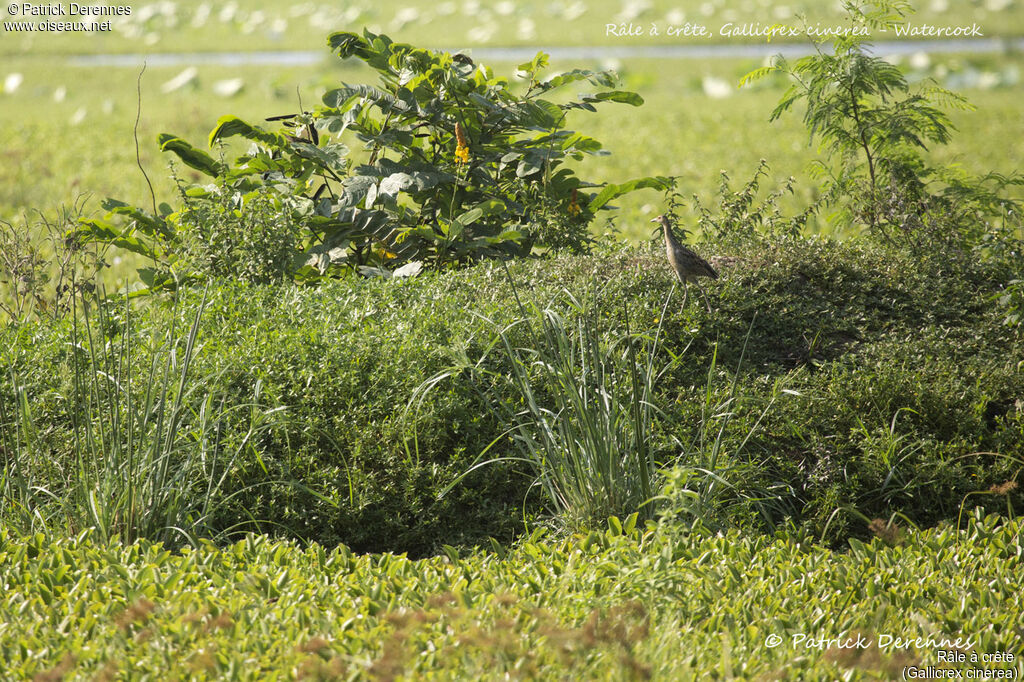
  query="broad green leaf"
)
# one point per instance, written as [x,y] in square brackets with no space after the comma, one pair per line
[491,207]
[582,143]
[613,191]
[323,256]
[96,230]
[623,96]
[531,163]
[192,157]
[347,44]
[355,190]
[342,98]
[469,217]
[406,182]
[539,61]
[505,236]
[544,114]
[630,524]
[229,126]
[145,222]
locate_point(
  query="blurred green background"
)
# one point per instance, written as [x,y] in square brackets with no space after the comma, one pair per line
[68,109]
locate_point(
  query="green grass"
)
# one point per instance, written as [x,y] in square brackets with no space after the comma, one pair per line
[246,25]
[582,411]
[606,606]
[50,160]
[151,445]
[55,151]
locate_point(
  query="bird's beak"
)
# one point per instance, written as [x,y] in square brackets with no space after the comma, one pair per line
[654,220]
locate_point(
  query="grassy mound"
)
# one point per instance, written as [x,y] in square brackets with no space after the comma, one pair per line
[868,382]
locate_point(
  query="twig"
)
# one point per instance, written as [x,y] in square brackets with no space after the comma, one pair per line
[135,134]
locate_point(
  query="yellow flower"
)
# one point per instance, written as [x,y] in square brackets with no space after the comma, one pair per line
[461,144]
[574,208]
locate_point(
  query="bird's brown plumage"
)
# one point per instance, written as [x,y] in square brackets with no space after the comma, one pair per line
[687,264]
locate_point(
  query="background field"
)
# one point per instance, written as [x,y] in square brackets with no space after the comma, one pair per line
[245,25]
[66,127]
[55,150]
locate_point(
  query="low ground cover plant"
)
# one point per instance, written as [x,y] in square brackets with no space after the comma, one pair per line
[626,603]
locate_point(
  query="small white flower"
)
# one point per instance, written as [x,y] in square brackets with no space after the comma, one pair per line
[278,27]
[988,80]
[632,9]
[675,17]
[406,15]
[997,5]
[201,15]
[482,34]
[227,12]
[574,11]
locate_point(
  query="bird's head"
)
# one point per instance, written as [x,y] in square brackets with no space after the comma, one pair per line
[663,223]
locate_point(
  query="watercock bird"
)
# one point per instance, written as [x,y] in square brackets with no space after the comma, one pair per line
[687,264]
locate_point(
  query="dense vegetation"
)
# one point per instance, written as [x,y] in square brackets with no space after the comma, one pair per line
[424,349]
[893,401]
[615,605]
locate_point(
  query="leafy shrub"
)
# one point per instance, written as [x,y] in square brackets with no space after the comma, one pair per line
[828,324]
[873,127]
[1013,302]
[227,236]
[742,217]
[454,166]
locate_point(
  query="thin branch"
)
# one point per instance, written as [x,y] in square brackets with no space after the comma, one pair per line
[135,134]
